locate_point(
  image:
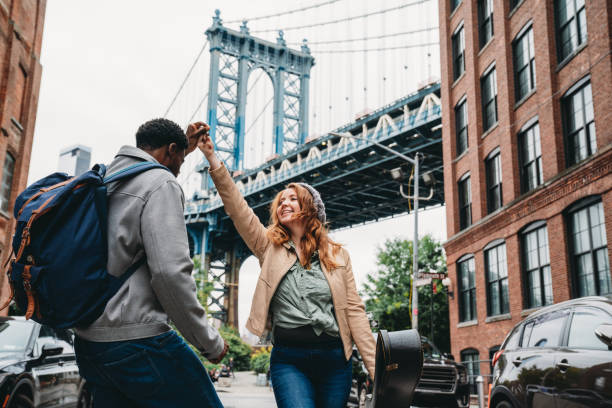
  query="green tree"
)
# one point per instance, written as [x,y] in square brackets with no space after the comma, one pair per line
[387,292]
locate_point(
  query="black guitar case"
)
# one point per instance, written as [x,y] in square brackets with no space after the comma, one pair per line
[399,362]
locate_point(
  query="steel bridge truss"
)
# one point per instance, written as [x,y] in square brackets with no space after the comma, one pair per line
[353,177]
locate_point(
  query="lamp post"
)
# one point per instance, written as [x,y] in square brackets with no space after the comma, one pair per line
[415,198]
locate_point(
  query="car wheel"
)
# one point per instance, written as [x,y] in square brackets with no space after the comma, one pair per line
[362,397]
[21,401]
[503,404]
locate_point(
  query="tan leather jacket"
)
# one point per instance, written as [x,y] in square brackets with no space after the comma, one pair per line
[276,260]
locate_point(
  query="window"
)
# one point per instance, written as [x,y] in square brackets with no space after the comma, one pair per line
[454,4]
[497,280]
[485,21]
[512,341]
[571,26]
[582,330]
[461,126]
[7,182]
[470,359]
[545,331]
[458,43]
[514,3]
[492,352]
[577,106]
[467,290]
[524,64]
[494,181]
[488,86]
[536,266]
[530,158]
[589,249]
[21,87]
[465,202]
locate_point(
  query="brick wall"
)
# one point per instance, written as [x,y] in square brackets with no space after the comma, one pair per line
[562,186]
[21,29]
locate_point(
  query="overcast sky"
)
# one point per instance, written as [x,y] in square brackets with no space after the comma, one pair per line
[110,66]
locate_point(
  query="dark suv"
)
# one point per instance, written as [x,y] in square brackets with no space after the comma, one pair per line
[38,367]
[559,356]
[444,383]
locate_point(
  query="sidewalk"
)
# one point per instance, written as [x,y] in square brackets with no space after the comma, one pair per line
[241,392]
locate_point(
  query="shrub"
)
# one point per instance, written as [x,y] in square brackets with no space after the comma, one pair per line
[260,361]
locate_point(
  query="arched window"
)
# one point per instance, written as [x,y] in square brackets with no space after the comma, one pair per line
[471,360]
[496,273]
[466,282]
[536,265]
[588,247]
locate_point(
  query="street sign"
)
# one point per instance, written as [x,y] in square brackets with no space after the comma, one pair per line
[422,282]
[433,275]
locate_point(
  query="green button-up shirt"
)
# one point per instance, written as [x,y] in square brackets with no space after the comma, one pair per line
[303,298]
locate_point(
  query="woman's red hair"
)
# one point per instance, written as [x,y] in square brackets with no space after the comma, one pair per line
[316,235]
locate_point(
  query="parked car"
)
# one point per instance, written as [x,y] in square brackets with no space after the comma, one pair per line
[559,356]
[38,367]
[444,383]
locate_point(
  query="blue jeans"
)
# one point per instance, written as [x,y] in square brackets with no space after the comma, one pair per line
[160,371]
[310,377]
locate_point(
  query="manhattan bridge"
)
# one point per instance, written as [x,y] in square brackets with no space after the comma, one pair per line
[281,110]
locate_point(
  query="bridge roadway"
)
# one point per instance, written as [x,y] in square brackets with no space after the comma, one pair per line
[353,177]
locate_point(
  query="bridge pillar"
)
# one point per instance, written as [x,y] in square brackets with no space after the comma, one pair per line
[233,263]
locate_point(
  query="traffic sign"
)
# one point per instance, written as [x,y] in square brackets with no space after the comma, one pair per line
[433,275]
[422,282]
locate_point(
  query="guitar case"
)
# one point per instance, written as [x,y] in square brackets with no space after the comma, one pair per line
[399,362]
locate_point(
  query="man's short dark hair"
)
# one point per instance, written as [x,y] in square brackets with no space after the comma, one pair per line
[160,132]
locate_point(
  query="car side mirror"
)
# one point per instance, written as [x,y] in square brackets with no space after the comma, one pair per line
[449,356]
[604,333]
[50,349]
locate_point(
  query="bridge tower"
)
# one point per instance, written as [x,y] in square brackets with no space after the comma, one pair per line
[233,56]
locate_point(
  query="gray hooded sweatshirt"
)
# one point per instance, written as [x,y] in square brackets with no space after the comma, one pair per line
[145,217]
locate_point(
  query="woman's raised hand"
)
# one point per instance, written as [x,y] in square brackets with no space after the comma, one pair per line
[206,145]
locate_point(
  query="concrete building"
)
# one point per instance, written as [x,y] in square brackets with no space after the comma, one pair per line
[21,30]
[526,93]
[74,160]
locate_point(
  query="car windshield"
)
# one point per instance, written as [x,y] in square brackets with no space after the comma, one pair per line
[14,335]
[429,350]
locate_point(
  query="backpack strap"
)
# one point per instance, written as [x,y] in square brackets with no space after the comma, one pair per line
[133,170]
[116,284]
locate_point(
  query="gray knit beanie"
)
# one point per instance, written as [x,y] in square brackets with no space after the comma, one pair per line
[316,199]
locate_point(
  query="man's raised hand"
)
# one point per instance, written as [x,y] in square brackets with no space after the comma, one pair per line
[195,131]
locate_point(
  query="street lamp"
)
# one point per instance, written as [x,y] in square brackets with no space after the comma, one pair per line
[396,174]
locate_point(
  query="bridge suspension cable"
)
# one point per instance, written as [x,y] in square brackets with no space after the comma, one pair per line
[401,47]
[195,62]
[377,37]
[197,109]
[341,20]
[283,13]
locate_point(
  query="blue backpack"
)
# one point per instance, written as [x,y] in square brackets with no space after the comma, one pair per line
[58,275]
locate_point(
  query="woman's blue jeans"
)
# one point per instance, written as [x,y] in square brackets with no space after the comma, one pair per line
[160,371]
[310,377]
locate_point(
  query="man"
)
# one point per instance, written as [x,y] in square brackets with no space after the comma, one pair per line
[130,356]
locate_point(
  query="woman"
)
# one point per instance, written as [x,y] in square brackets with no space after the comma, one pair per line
[305,293]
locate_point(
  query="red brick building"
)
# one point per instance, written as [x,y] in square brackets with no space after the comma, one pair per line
[21,30]
[527,144]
